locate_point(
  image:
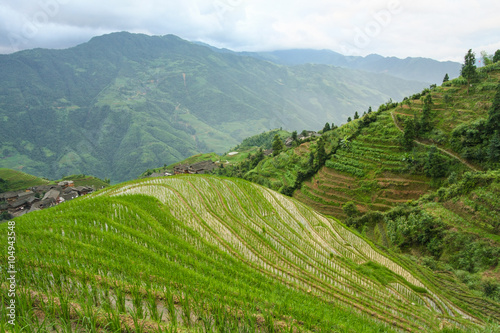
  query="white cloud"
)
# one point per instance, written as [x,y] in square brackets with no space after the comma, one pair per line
[442,30]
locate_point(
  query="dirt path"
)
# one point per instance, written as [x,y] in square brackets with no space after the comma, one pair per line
[470,166]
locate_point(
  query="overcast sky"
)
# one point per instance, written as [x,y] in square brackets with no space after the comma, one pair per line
[443,29]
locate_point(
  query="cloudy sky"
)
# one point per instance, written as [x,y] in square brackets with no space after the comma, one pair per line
[442,30]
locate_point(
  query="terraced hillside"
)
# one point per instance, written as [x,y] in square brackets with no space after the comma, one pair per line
[371,170]
[208,253]
[459,118]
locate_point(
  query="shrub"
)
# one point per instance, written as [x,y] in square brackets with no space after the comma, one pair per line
[350,209]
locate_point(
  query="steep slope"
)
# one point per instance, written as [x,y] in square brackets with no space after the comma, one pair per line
[371,170]
[212,253]
[123,103]
[410,176]
[11,180]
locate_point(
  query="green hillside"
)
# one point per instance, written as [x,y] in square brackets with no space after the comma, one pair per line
[420,163]
[12,180]
[203,253]
[123,103]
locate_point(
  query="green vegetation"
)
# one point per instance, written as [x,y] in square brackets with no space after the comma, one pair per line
[124,103]
[468,70]
[464,123]
[203,253]
[377,170]
[11,180]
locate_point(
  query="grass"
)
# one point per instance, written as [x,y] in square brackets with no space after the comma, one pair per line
[211,252]
[17,180]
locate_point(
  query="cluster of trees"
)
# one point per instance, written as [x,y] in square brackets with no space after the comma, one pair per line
[356,114]
[327,127]
[480,140]
[415,127]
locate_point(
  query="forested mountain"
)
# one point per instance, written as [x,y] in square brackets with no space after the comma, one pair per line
[386,223]
[421,69]
[123,102]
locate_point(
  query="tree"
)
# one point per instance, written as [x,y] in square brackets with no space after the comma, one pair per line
[350,209]
[409,134]
[304,133]
[493,122]
[496,57]
[356,115]
[446,78]
[277,145]
[345,143]
[320,152]
[294,135]
[468,70]
[311,158]
[494,148]
[487,59]
[255,160]
[369,109]
[425,120]
[434,165]
[428,99]
[349,119]
[326,128]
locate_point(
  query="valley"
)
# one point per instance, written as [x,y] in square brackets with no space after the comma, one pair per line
[231,210]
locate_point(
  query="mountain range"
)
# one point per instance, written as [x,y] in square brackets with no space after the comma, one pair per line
[420,69]
[123,102]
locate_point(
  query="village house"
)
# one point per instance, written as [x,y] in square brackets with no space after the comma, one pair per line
[202,167]
[17,203]
[181,169]
[196,168]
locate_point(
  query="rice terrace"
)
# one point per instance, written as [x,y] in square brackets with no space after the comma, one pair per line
[203,253]
[261,183]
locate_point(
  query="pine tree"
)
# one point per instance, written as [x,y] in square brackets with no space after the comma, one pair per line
[468,71]
[349,119]
[277,145]
[326,128]
[356,115]
[369,109]
[320,152]
[446,78]
[425,120]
